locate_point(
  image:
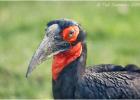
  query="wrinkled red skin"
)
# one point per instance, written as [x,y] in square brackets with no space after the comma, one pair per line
[63,59]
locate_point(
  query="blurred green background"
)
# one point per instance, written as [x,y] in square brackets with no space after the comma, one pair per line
[113,36]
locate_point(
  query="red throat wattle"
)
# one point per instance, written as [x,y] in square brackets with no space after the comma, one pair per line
[61,60]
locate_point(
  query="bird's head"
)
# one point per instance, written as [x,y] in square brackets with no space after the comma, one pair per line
[60,36]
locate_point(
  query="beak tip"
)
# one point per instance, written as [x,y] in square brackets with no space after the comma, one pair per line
[39,56]
[32,65]
[27,74]
[29,70]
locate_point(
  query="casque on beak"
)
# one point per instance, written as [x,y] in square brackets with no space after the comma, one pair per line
[52,44]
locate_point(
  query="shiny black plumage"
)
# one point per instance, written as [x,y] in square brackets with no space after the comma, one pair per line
[105,81]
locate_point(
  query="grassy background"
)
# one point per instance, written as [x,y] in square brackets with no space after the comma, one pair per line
[113,37]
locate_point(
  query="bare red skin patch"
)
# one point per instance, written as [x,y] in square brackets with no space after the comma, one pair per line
[61,60]
[70,33]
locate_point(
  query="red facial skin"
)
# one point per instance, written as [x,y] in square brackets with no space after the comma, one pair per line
[70,34]
[61,60]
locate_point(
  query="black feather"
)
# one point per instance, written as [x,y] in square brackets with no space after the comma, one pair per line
[63,23]
[104,81]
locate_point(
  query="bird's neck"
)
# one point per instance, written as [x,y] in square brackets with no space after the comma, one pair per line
[64,85]
[64,59]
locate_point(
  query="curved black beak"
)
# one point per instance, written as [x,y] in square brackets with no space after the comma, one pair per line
[52,44]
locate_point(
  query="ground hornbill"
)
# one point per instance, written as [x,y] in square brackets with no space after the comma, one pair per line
[65,40]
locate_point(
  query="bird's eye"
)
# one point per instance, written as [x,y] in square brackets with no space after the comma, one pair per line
[71,33]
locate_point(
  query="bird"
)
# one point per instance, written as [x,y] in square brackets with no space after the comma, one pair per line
[65,41]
